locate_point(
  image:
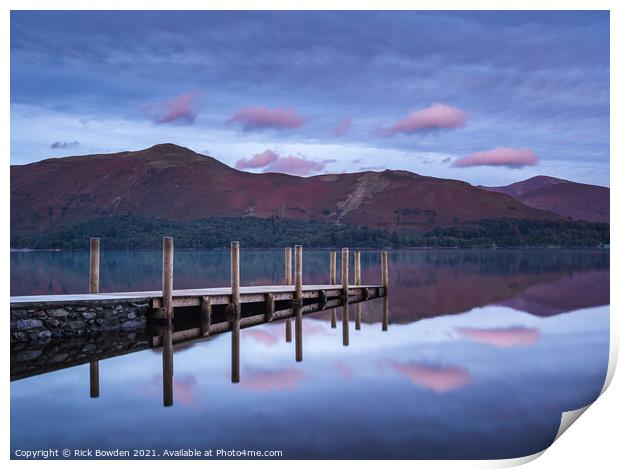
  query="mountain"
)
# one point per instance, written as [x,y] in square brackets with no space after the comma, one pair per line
[569,199]
[175,183]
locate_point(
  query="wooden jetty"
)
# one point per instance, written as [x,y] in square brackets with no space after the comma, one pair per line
[208,311]
[221,308]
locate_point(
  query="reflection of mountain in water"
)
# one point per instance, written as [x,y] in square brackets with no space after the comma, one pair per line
[571,292]
[424,285]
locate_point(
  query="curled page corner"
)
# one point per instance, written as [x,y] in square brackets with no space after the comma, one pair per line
[568,418]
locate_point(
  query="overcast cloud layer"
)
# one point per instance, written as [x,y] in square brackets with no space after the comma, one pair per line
[486,97]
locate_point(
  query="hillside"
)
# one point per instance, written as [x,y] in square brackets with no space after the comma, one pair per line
[569,199]
[174,183]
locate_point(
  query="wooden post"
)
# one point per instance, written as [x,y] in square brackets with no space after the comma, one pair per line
[167,275]
[345,323]
[384,284]
[332,280]
[205,315]
[358,282]
[384,320]
[94,379]
[384,271]
[345,274]
[298,304]
[236,310]
[167,364]
[94,266]
[93,288]
[288,280]
[270,306]
[344,269]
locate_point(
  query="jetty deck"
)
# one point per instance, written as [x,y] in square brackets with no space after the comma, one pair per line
[193,297]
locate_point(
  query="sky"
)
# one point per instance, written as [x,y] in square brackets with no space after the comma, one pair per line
[485,97]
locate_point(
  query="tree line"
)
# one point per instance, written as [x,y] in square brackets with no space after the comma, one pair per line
[138,232]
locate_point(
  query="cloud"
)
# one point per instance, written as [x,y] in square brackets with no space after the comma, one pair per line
[500,156]
[502,337]
[261,117]
[186,390]
[270,162]
[344,369]
[64,145]
[342,128]
[438,379]
[372,168]
[179,109]
[262,381]
[259,160]
[295,166]
[261,336]
[436,117]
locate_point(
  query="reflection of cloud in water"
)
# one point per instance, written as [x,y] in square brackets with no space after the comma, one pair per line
[265,380]
[344,369]
[502,337]
[437,378]
[262,336]
[314,327]
[185,392]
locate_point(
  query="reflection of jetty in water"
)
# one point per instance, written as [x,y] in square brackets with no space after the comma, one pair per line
[34,359]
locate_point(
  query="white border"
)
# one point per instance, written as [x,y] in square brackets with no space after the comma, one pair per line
[591,443]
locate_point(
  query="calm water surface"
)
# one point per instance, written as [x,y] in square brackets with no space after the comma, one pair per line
[484,351]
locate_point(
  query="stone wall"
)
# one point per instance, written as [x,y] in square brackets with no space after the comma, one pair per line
[40,321]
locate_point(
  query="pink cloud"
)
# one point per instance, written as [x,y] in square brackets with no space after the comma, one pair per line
[295,166]
[500,156]
[186,390]
[257,161]
[261,117]
[262,381]
[436,117]
[261,336]
[181,108]
[438,379]
[271,162]
[342,128]
[344,369]
[502,337]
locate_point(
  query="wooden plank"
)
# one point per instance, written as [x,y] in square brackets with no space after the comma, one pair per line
[213,292]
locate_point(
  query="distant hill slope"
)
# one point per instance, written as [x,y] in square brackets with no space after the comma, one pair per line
[175,183]
[569,199]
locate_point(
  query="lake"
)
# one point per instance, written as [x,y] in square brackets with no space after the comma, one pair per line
[484,351]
